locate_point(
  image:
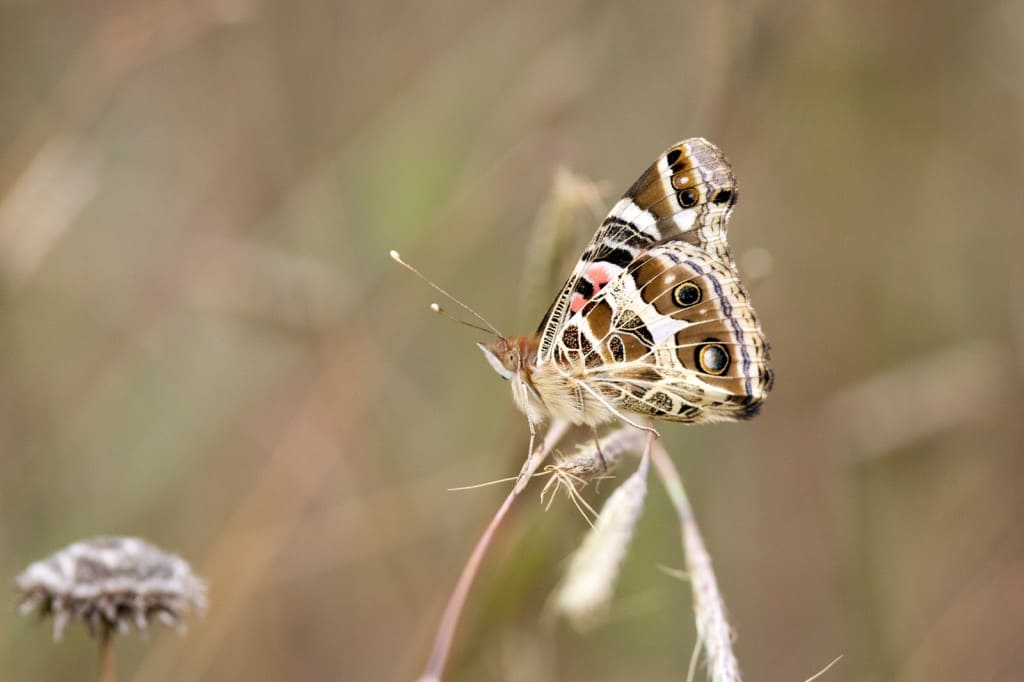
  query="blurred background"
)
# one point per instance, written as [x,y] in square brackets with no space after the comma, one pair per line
[204,343]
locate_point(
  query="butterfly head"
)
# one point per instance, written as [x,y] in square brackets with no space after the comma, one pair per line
[509,356]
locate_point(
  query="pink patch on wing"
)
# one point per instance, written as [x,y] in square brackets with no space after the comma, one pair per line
[598,275]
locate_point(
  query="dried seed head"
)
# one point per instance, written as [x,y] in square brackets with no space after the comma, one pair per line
[111,583]
[591,461]
[586,590]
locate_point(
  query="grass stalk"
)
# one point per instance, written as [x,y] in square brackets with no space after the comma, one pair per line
[713,628]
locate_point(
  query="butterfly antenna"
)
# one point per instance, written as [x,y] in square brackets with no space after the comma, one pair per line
[437,309]
[448,316]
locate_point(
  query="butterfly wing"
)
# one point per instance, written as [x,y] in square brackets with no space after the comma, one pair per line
[686,195]
[672,336]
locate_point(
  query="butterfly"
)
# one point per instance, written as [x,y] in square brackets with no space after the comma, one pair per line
[654,320]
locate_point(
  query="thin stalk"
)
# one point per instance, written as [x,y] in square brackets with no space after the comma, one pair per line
[108,662]
[709,608]
[450,620]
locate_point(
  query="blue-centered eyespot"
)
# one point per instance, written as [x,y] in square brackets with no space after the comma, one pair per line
[712,358]
[688,197]
[686,295]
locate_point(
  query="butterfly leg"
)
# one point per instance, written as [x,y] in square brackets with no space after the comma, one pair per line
[597,446]
[529,453]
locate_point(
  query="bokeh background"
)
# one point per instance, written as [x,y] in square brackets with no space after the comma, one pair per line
[204,343]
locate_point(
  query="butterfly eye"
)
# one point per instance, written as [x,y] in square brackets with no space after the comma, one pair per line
[712,358]
[686,294]
[687,198]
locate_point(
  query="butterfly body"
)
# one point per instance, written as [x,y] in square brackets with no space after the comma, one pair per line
[544,390]
[654,319]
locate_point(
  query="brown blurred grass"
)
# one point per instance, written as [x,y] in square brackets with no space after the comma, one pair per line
[204,343]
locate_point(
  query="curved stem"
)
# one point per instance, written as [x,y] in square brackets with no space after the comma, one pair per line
[450,620]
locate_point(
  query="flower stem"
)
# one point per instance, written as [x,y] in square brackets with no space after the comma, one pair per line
[108,662]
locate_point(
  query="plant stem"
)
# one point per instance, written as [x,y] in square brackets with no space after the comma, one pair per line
[708,606]
[108,662]
[450,620]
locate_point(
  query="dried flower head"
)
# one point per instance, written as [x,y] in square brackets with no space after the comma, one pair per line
[591,461]
[586,590]
[111,583]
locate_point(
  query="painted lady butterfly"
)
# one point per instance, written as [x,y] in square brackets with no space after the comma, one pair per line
[654,320]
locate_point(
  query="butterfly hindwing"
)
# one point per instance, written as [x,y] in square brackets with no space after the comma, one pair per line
[686,195]
[673,336]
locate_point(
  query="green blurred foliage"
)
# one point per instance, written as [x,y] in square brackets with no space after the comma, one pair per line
[203,342]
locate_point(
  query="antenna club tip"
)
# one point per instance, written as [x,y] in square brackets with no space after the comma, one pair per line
[436,308]
[395,256]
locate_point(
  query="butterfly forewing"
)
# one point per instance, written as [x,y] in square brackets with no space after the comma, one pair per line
[686,195]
